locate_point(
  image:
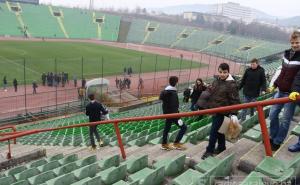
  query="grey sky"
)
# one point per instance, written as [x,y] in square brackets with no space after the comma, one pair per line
[280,8]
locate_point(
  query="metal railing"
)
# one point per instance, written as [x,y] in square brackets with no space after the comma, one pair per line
[258,105]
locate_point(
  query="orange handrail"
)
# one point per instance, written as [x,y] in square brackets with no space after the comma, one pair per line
[13,127]
[259,105]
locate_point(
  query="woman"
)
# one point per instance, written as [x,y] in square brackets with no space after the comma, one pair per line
[199,87]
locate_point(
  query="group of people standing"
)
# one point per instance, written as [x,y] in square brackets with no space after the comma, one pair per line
[54,79]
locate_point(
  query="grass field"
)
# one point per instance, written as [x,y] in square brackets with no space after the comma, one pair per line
[40,57]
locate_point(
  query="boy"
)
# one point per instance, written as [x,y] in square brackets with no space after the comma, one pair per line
[290,67]
[95,110]
[170,104]
[224,92]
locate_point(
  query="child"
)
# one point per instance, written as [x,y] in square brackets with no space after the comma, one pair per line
[224,92]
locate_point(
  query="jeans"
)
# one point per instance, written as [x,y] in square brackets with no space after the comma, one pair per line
[194,106]
[93,131]
[215,136]
[167,128]
[279,129]
[244,112]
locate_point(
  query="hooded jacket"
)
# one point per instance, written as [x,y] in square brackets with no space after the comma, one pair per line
[169,97]
[224,93]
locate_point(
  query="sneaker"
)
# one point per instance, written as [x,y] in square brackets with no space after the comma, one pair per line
[92,148]
[101,143]
[206,155]
[166,147]
[275,147]
[179,146]
[294,148]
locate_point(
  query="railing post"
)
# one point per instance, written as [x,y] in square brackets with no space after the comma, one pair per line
[14,129]
[265,134]
[8,156]
[120,140]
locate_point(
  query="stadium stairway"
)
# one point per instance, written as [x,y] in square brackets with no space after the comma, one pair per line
[59,21]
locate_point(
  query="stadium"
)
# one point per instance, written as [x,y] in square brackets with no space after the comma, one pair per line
[53,57]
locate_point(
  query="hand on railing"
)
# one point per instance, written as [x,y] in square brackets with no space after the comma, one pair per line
[271,89]
[293,96]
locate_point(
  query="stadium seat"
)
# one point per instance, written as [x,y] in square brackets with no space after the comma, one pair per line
[109,162]
[278,169]
[55,157]
[86,171]
[148,176]
[15,170]
[222,166]
[41,178]
[27,174]
[253,135]
[37,163]
[172,166]
[49,166]
[121,182]
[7,180]
[86,161]
[296,130]
[23,182]
[190,177]
[62,180]
[113,174]
[68,159]
[253,178]
[135,164]
[66,168]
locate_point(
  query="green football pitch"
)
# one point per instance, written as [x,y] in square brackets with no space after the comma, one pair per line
[75,58]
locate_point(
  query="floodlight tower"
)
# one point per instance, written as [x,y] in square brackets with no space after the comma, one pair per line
[91,5]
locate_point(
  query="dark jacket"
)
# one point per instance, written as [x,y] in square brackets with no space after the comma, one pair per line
[169,97]
[290,67]
[224,93]
[196,93]
[203,99]
[253,81]
[95,110]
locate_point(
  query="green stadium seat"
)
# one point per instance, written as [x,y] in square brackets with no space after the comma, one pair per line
[172,166]
[109,162]
[138,142]
[113,174]
[37,163]
[85,181]
[278,169]
[7,180]
[62,180]
[15,170]
[86,161]
[156,141]
[49,166]
[190,177]
[23,182]
[121,182]
[27,174]
[223,166]
[253,178]
[135,164]
[148,176]
[55,157]
[68,159]
[66,169]
[253,135]
[86,171]
[41,178]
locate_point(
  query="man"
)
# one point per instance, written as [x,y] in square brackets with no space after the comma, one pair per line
[95,110]
[253,82]
[290,67]
[34,86]
[4,83]
[170,104]
[224,92]
[15,83]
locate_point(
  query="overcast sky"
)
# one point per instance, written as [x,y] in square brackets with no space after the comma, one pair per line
[279,8]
